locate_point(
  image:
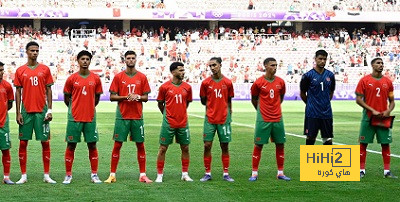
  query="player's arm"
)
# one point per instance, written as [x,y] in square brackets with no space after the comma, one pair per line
[115,97]
[254,101]
[203,100]
[187,104]
[333,86]
[67,99]
[49,95]
[230,104]
[96,99]
[142,98]
[282,96]
[304,85]
[9,104]
[20,120]
[360,101]
[391,105]
[161,105]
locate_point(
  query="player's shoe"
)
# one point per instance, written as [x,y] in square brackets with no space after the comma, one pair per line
[228,178]
[145,179]
[8,181]
[22,181]
[390,175]
[49,180]
[186,178]
[253,178]
[159,179]
[95,179]
[67,179]
[205,178]
[283,177]
[362,174]
[111,179]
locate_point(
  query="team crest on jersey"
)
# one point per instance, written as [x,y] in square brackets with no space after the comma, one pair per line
[40,74]
[91,83]
[116,135]
[278,86]
[138,82]
[384,85]
[224,87]
[3,90]
[184,91]
[24,74]
[328,79]
[258,139]
[70,137]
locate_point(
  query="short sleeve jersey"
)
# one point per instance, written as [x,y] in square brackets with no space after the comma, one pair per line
[83,91]
[318,88]
[175,98]
[217,93]
[269,98]
[375,92]
[122,85]
[33,83]
[6,96]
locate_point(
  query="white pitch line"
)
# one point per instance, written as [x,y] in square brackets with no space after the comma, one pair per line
[296,135]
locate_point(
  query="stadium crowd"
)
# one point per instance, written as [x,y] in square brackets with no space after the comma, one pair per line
[242,50]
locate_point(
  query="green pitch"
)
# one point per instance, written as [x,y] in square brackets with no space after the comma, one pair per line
[346,125]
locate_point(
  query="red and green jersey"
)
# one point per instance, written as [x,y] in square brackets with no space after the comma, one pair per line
[375,92]
[175,98]
[269,98]
[34,82]
[6,96]
[124,84]
[82,90]
[217,93]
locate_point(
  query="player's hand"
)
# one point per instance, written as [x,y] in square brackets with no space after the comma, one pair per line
[386,113]
[136,97]
[20,120]
[376,113]
[48,117]
[130,97]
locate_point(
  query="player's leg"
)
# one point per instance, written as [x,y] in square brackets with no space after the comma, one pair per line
[366,136]
[278,136]
[208,137]
[72,137]
[5,145]
[25,134]
[94,161]
[183,138]
[121,131]
[137,135]
[310,130]
[326,127]
[261,136]
[384,137]
[161,161]
[6,160]
[224,134]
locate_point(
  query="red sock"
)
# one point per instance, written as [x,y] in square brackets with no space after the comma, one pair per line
[386,156]
[69,160]
[46,156]
[280,156]
[6,162]
[363,155]
[141,156]
[256,157]
[94,160]
[185,165]
[23,144]
[207,163]
[225,162]
[115,156]
[160,167]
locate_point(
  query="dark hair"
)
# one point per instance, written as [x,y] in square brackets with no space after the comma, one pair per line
[218,59]
[82,53]
[129,52]
[267,60]
[1,64]
[32,43]
[375,59]
[321,52]
[175,65]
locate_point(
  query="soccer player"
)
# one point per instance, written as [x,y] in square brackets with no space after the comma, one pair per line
[267,94]
[82,92]
[316,90]
[173,99]
[130,89]
[6,100]
[216,94]
[373,93]
[33,114]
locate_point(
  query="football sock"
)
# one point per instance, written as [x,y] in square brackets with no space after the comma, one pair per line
[280,172]
[280,156]
[310,141]
[386,156]
[94,159]
[207,163]
[22,155]
[69,160]
[363,155]
[160,167]
[46,156]
[115,156]
[185,165]
[329,142]
[225,162]
[6,159]
[141,156]
[256,157]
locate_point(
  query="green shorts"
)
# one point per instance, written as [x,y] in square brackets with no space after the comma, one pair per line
[123,128]
[223,131]
[367,133]
[34,121]
[182,135]
[5,142]
[265,130]
[89,130]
